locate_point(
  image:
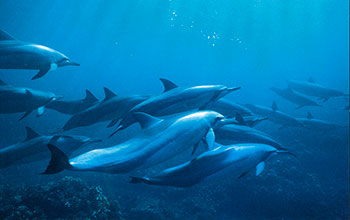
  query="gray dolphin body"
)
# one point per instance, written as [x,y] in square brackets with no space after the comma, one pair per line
[234,134]
[17,99]
[228,108]
[16,54]
[175,100]
[310,88]
[318,125]
[274,115]
[295,98]
[71,107]
[142,152]
[110,108]
[34,148]
[236,160]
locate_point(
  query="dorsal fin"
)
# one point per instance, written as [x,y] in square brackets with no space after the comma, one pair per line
[146,120]
[311,80]
[5,36]
[240,119]
[168,85]
[89,97]
[31,134]
[2,83]
[309,116]
[108,93]
[28,92]
[274,106]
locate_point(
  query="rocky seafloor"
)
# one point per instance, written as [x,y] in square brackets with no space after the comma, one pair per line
[270,196]
[68,198]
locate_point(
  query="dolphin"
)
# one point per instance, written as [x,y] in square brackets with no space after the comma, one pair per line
[71,107]
[142,152]
[310,88]
[34,147]
[274,115]
[236,160]
[17,99]
[250,121]
[318,125]
[229,108]
[112,107]
[295,98]
[16,54]
[233,134]
[175,99]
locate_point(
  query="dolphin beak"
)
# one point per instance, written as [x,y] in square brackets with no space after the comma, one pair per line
[71,63]
[231,89]
[67,62]
[223,92]
[225,121]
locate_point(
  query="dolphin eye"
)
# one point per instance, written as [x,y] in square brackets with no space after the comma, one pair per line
[63,59]
[218,118]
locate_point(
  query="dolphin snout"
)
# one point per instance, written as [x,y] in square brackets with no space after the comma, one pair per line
[73,63]
[67,62]
[231,89]
[224,91]
[225,121]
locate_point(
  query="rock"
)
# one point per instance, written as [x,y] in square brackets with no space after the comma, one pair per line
[69,198]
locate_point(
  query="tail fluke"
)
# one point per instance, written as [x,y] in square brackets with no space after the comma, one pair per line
[59,161]
[134,179]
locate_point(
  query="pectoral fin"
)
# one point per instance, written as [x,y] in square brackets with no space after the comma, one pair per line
[243,174]
[25,115]
[40,111]
[259,168]
[210,138]
[42,72]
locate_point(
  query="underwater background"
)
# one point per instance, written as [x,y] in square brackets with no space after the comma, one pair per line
[128,45]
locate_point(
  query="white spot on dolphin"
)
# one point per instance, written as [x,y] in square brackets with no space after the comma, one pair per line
[53,66]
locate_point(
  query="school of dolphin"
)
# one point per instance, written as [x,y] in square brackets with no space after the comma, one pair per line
[177,121]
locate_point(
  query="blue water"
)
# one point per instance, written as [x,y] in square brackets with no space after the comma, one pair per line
[128,45]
